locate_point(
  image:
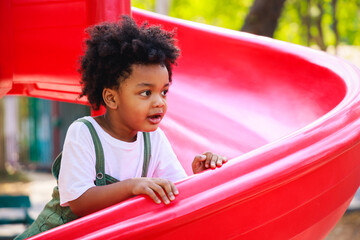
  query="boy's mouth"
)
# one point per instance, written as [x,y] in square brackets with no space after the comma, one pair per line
[155,118]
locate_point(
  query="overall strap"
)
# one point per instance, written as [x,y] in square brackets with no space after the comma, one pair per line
[147,153]
[99,153]
[55,168]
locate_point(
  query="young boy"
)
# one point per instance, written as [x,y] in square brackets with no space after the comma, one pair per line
[127,69]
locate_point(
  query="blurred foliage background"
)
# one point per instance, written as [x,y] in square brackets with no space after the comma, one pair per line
[317,23]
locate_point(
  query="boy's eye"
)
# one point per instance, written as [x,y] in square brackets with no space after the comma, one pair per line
[164,93]
[145,93]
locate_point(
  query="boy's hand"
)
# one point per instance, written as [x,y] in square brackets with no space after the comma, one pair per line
[154,187]
[207,160]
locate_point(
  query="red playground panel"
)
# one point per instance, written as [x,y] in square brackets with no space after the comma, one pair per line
[287,116]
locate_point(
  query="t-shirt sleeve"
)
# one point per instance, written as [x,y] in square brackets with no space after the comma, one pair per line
[77,170]
[168,166]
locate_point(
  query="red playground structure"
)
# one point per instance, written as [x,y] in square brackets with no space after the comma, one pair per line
[287,116]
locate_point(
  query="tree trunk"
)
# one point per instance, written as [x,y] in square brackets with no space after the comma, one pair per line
[320,41]
[263,17]
[162,6]
[307,20]
[335,24]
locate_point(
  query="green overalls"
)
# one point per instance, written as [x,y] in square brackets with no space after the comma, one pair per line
[53,214]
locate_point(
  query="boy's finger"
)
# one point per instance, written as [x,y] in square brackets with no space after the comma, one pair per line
[201,157]
[174,189]
[152,195]
[168,187]
[208,159]
[160,191]
[214,159]
[219,162]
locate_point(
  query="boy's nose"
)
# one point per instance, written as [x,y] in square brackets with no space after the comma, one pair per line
[159,101]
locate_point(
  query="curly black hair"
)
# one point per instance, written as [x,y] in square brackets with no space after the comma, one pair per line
[112,48]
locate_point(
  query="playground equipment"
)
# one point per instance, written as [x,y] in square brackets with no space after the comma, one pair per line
[287,116]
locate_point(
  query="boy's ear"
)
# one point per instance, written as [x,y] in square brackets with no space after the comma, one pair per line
[109,96]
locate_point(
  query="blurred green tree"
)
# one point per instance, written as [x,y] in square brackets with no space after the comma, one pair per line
[307,22]
[320,22]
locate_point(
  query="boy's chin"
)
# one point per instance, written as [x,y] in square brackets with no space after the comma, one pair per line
[151,129]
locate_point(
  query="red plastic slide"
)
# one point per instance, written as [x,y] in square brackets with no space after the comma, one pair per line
[287,116]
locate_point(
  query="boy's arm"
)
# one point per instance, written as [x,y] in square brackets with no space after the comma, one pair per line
[97,198]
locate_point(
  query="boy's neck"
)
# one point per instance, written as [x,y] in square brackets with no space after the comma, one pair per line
[117,132]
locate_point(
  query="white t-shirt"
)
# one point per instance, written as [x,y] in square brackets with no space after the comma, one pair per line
[123,160]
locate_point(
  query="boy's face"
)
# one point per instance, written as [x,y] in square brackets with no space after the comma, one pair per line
[142,98]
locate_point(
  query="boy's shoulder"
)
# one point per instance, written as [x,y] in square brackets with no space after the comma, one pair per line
[78,127]
[158,133]
[76,123]
[158,138]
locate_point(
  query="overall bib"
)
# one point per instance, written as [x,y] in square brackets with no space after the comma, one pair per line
[53,214]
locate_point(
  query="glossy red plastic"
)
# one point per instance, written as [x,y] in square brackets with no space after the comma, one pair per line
[287,116]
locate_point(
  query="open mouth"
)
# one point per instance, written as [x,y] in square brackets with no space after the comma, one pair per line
[155,119]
